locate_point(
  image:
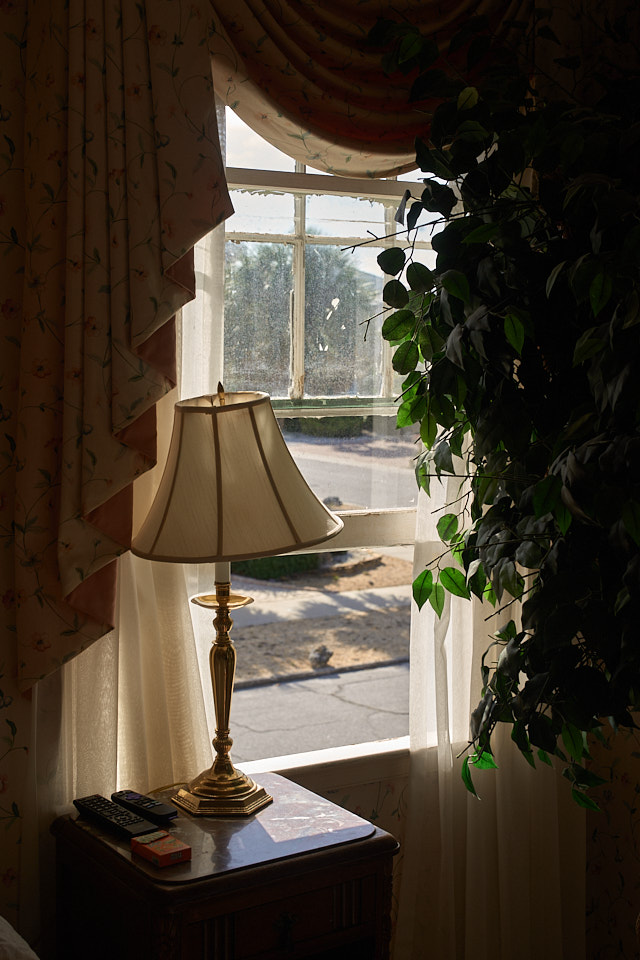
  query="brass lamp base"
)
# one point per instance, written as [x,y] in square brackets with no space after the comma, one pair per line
[213,794]
[222,790]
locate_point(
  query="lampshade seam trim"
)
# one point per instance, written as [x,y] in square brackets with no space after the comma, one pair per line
[218,459]
[173,484]
[294,532]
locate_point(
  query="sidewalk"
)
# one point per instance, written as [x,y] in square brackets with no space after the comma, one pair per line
[281,604]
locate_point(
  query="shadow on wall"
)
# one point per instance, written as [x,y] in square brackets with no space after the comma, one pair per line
[613,851]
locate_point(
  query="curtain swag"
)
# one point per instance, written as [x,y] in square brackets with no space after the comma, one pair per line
[304,75]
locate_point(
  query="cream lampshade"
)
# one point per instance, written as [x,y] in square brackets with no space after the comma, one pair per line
[230,491]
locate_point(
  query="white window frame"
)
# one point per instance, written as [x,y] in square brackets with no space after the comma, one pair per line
[365,528]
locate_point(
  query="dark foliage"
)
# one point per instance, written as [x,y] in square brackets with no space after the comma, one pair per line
[521,356]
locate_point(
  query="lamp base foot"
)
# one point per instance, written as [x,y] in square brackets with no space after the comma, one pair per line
[233,794]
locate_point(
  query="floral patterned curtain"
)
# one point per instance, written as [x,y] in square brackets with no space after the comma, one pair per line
[110,171]
[305,76]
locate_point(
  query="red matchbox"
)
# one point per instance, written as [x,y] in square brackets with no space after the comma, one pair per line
[161,848]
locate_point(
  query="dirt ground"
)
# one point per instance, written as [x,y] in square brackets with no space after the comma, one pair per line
[354,638]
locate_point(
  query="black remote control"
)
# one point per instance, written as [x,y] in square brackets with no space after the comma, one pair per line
[112,817]
[147,807]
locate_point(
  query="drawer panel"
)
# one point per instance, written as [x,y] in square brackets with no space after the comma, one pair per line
[311,915]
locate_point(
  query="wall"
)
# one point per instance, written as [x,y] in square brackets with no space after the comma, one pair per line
[613,851]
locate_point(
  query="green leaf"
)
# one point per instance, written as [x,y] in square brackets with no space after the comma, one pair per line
[587,346]
[453,580]
[437,599]
[476,579]
[433,161]
[483,761]
[467,98]
[422,588]
[418,408]
[455,283]
[406,357]
[419,277]
[544,757]
[398,325]
[585,777]
[510,579]
[391,261]
[600,291]
[438,199]
[482,234]
[447,527]
[428,430]
[514,332]
[529,554]
[572,739]
[519,736]
[429,341]
[423,478]
[466,777]
[553,276]
[413,215]
[395,294]
[404,417]
[442,457]
[489,594]
[562,516]
[454,346]
[584,801]
[470,131]
[546,495]
[410,46]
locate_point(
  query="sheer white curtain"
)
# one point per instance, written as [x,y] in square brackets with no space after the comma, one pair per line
[490,879]
[133,709]
[128,712]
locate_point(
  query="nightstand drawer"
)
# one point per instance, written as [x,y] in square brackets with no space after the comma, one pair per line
[308,916]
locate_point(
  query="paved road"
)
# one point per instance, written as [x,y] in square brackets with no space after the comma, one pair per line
[329,711]
[333,709]
[362,475]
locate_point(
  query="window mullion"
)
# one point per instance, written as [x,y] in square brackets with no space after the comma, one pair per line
[387,352]
[297,301]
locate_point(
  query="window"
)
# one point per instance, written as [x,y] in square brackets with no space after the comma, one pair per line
[301,320]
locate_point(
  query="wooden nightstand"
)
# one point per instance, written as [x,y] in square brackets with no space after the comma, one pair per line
[301,878]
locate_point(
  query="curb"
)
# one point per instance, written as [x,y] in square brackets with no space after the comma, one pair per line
[315,674]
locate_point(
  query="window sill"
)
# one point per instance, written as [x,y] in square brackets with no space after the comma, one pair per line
[340,767]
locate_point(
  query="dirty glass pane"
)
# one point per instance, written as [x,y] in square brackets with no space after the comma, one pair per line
[343,353]
[245,148]
[258,283]
[355,463]
[328,216]
[261,213]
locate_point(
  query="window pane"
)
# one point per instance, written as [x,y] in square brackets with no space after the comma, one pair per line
[261,213]
[247,149]
[413,176]
[355,463]
[342,292]
[345,216]
[258,283]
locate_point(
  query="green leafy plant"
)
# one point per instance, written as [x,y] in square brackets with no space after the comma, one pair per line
[520,352]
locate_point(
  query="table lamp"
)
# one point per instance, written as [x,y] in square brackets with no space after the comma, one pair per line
[230,491]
